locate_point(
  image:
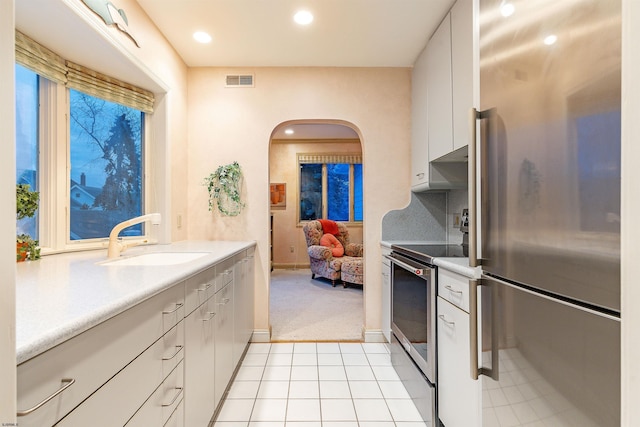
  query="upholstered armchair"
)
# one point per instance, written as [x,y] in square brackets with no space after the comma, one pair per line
[347,268]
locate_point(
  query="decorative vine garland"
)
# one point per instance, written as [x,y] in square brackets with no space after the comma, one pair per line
[224,186]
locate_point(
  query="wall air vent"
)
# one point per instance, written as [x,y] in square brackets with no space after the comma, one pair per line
[239,80]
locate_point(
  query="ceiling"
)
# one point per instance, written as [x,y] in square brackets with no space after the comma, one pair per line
[314,131]
[256,33]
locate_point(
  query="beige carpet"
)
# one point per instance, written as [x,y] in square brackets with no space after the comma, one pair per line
[302,309]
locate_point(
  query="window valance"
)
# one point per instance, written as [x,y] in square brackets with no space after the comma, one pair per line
[351,158]
[47,63]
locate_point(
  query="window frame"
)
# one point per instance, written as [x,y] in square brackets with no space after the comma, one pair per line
[335,158]
[54,163]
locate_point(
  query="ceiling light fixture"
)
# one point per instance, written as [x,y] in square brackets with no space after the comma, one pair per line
[288,131]
[507,9]
[201,37]
[550,39]
[303,17]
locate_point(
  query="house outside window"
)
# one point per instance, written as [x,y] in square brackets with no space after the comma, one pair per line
[330,187]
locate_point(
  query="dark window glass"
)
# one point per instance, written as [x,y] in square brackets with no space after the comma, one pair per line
[106,166]
[338,191]
[310,191]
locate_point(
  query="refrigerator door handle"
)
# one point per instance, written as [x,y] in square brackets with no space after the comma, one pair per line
[474,149]
[474,115]
[476,369]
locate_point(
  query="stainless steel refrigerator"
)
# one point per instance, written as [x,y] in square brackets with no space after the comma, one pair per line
[549,213]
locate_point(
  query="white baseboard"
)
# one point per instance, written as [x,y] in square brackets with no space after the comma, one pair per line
[288,266]
[374,336]
[261,335]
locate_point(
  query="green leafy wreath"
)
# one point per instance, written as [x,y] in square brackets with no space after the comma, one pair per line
[224,186]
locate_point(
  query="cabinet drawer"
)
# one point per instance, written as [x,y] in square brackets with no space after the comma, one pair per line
[454,288]
[177,418]
[93,357]
[116,401]
[224,273]
[163,402]
[198,289]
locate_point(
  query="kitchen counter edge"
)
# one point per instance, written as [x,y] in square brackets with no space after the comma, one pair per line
[60,296]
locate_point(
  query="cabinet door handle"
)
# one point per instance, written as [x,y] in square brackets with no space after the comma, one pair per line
[178,391]
[450,289]
[178,305]
[68,382]
[420,175]
[211,316]
[225,301]
[207,286]
[178,350]
[452,324]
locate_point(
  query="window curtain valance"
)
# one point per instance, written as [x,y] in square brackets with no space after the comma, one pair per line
[354,158]
[47,63]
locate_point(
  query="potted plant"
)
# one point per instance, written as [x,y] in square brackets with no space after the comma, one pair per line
[224,186]
[26,206]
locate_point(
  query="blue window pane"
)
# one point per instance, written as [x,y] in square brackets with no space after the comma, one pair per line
[338,191]
[106,166]
[357,192]
[27,139]
[310,191]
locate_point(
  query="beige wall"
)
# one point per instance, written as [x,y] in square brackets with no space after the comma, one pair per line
[287,234]
[227,124]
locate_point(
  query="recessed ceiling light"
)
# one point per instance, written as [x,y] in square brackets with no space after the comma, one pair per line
[550,39]
[303,17]
[507,9]
[201,37]
[288,131]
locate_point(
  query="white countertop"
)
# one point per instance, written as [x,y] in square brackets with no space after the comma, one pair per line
[60,296]
[458,265]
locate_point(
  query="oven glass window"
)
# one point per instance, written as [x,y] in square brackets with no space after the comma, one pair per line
[410,308]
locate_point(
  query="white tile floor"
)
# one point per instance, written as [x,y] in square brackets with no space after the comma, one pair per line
[318,384]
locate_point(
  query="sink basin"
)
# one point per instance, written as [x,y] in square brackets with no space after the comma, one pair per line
[158,258]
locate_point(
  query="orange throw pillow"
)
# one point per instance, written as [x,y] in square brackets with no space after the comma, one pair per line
[330,241]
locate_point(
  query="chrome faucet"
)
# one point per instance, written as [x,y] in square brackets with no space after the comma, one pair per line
[116,246]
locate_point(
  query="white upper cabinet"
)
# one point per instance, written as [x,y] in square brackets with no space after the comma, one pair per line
[419,123]
[442,95]
[462,70]
[439,95]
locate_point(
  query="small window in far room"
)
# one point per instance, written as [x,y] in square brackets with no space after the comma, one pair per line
[330,187]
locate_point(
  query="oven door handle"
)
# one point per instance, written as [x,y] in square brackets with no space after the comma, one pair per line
[420,272]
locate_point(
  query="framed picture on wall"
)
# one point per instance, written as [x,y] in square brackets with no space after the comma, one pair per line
[278,195]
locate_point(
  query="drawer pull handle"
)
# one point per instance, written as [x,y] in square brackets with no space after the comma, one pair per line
[211,316]
[178,391]
[178,305]
[178,350]
[452,324]
[207,286]
[450,289]
[225,301]
[68,382]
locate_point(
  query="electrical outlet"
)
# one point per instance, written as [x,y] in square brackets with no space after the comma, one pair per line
[456,220]
[291,249]
[179,221]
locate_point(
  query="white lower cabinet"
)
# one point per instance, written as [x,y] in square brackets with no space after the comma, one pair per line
[164,362]
[199,364]
[458,394]
[386,294]
[224,334]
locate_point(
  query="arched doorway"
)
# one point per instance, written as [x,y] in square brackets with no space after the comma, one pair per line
[313,152]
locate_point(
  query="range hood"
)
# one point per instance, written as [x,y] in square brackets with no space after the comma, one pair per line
[448,172]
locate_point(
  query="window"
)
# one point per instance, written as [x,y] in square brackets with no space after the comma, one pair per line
[27,100]
[106,172]
[80,142]
[330,187]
